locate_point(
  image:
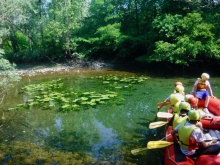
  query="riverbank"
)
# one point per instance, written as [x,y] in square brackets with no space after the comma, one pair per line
[154,69]
[35,68]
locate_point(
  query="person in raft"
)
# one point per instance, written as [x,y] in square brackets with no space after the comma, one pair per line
[178,83]
[201,86]
[191,139]
[176,97]
[184,107]
[179,117]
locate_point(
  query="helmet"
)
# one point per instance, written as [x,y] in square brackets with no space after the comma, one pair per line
[193,101]
[187,96]
[205,76]
[185,106]
[194,115]
[178,83]
[176,97]
[179,88]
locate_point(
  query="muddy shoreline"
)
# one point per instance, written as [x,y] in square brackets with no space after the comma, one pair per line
[35,68]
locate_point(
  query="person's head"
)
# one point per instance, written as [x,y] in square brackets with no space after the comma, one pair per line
[177,83]
[193,101]
[179,89]
[194,116]
[184,107]
[205,76]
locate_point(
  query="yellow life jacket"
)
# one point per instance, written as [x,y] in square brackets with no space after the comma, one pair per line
[178,119]
[175,107]
[186,141]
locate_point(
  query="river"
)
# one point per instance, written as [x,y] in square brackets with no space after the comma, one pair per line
[103,133]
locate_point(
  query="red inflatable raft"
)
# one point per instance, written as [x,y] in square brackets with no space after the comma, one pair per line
[213,106]
[211,123]
[174,156]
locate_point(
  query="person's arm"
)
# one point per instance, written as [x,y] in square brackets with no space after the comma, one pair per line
[165,130]
[173,133]
[209,88]
[198,136]
[168,99]
[170,122]
[194,87]
[204,144]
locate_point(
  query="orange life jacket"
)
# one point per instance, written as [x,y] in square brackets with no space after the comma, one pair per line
[201,85]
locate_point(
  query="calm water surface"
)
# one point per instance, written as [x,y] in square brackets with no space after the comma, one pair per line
[104,134]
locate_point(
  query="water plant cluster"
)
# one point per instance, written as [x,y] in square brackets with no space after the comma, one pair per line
[54,95]
[23,153]
[120,81]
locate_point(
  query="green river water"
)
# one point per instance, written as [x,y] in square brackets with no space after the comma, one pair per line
[104,134]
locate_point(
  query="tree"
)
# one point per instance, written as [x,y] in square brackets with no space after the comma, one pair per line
[7,75]
[182,40]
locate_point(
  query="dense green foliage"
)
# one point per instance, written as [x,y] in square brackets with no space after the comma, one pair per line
[7,76]
[179,32]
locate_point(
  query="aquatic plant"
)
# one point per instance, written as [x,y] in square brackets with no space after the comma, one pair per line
[30,153]
[54,95]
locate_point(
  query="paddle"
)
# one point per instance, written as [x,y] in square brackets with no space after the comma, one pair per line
[135,151]
[159,105]
[163,103]
[162,144]
[152,145]
[164,115]
[158,144]
[157,124]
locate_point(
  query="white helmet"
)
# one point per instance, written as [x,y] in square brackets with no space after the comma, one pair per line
[205,76]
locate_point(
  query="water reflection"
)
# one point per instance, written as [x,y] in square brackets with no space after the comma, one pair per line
[108,141]
[58,124]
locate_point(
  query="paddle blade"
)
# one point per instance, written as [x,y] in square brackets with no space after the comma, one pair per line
[158,144]
[164,104]
[157,124]
[135,151]
[164,115]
